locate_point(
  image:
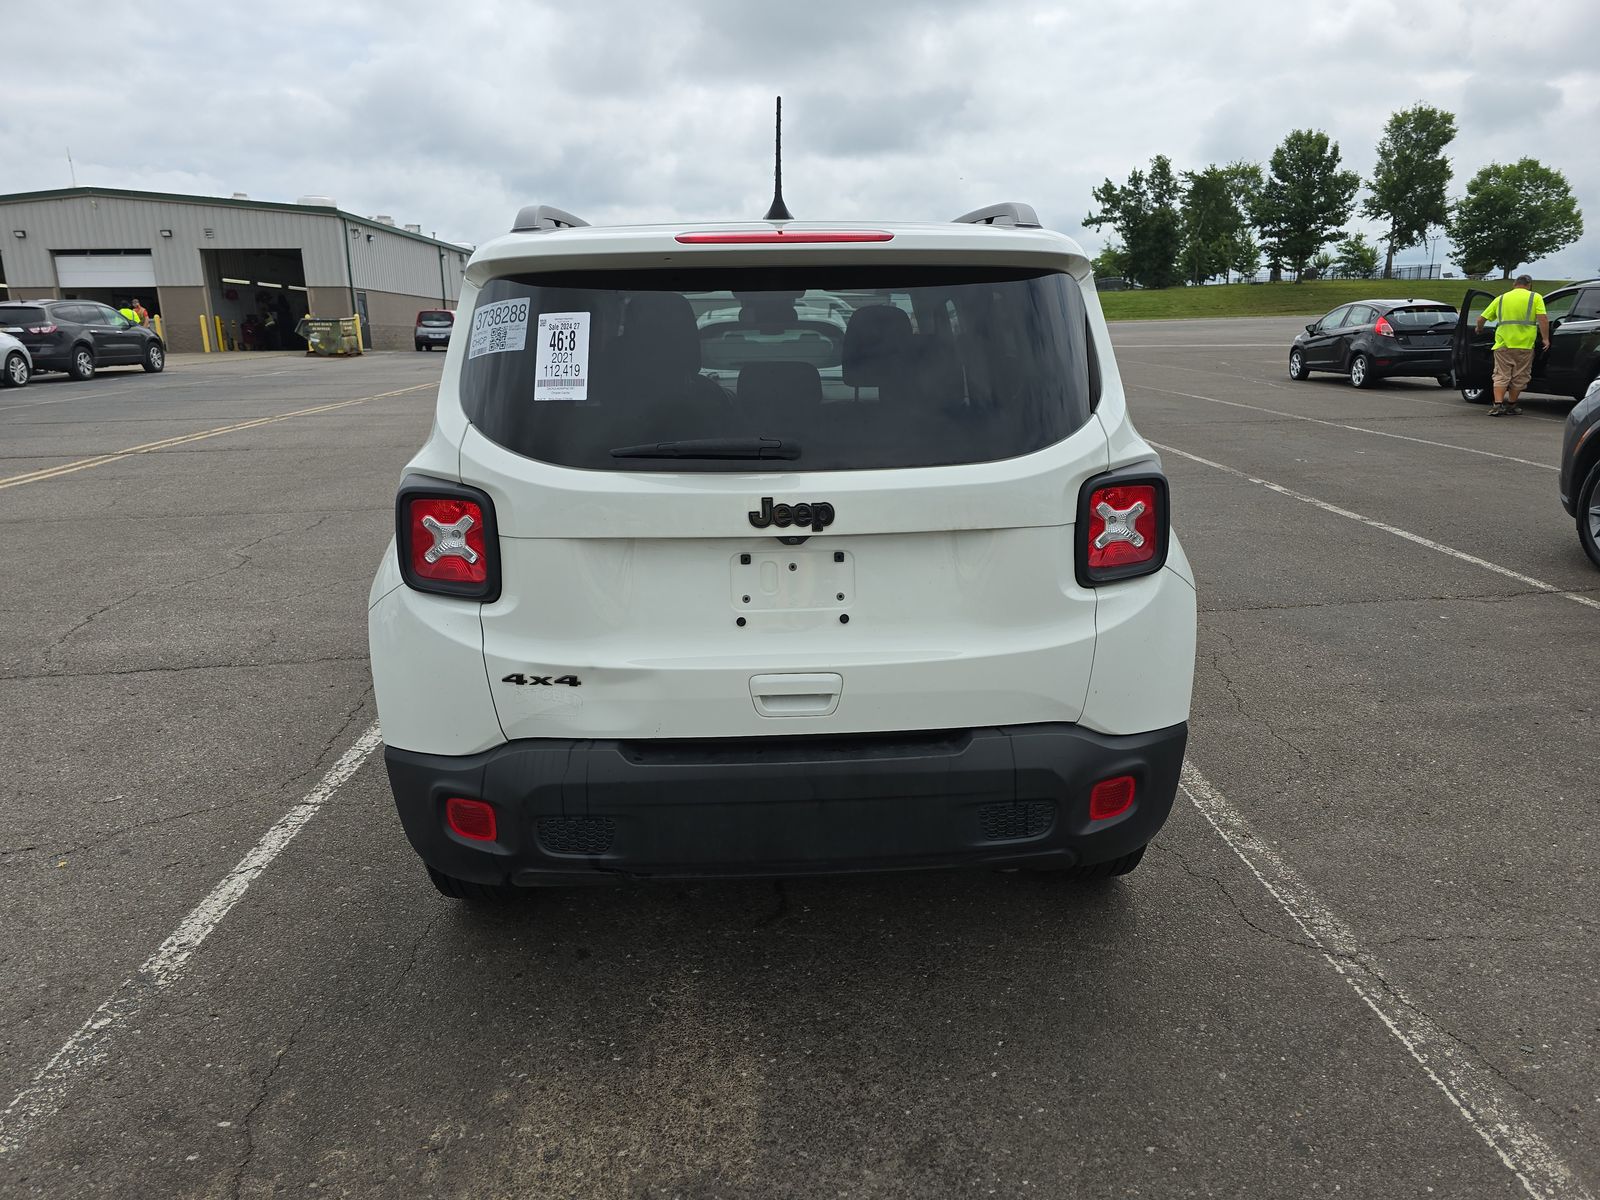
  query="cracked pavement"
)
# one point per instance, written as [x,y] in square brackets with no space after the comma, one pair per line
[1412,734]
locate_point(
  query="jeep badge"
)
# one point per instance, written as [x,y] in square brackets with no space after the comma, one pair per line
[817,515]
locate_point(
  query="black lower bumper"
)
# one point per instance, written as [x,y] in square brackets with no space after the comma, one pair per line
[1429,363]
[572,811]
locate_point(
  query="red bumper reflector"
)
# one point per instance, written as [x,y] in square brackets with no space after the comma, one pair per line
[472,819]
[734,237]
[1109,798]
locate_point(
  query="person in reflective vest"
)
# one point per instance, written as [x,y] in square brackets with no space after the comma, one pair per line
[1519,312]
[142,312]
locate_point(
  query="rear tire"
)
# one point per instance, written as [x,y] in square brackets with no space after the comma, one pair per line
[16,373]
[155,359]
[1475,395]
[473,893]
[1297,366]
[419,347]
[1589,515]
[1361,375]
[82,365]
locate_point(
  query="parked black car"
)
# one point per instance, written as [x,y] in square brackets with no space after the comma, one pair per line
[1572,362]
[1378,339]
[80,336]
[1580,470]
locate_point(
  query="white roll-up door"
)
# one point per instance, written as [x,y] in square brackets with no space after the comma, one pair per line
[106,270]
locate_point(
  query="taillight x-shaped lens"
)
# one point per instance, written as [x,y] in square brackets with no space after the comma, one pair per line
[1123,525]
[447,540]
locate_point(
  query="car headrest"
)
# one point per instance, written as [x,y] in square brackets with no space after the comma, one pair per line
[876,344]
[659,334]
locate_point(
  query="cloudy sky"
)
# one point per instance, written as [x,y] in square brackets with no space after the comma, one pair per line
[453,113]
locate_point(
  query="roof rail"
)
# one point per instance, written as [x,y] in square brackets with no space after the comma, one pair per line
[1010,212]
[536,218]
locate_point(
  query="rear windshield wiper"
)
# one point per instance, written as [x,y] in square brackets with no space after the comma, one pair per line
[756,447]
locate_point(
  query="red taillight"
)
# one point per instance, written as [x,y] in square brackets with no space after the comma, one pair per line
[1383,328]
[447,540]
[735,237]
[1109,798]
[1123,525]
[42,328]
[472,819]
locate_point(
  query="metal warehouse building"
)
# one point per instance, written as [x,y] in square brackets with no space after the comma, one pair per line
[194,259]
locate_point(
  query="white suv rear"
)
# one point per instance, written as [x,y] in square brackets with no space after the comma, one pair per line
[869,570]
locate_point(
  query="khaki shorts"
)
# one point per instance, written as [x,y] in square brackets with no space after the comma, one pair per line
[1513,368]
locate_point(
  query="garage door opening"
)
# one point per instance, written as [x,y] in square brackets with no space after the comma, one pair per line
[260,296]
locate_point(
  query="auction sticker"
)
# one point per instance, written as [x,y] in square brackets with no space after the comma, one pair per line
[499,327]
[563,372]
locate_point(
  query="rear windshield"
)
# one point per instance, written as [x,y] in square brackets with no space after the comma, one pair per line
[436,318]
[16,318]
[846,368]
[1421,318]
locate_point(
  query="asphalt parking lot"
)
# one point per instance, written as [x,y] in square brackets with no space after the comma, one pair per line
[1361,959]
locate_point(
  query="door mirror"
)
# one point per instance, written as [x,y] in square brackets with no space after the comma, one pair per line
[1311,328]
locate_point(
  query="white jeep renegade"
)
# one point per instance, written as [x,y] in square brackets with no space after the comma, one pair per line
[778,548]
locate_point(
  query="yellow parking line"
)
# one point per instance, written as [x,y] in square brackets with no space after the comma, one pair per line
[83,464]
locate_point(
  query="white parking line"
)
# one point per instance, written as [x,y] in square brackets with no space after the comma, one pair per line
[1469,1084]
[1401,437]
[1537,585]
[88,1048]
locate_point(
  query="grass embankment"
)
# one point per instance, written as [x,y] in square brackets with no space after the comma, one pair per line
[1289,299]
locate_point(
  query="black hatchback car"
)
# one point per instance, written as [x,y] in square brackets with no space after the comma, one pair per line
[1378,339]
[1566,369]
[80,336]
[1580,470]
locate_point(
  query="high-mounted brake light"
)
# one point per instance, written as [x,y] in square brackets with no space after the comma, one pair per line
[1383,328]
[445,535]
[737,237]
[1123,527]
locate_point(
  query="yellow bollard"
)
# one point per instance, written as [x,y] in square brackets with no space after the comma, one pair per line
[361,344]
[205,338]
[221,345]
[155,321]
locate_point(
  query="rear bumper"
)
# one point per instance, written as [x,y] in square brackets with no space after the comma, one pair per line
[1430,362]
[571,811]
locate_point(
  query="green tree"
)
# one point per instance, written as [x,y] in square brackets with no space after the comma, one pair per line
[1144,211]
[1358,258]
[1513,215]
[1111,261]
[1244,255]
[1409,181]
[1211,218]
[1306,198]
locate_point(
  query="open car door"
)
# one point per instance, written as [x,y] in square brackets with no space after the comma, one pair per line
[1472,353]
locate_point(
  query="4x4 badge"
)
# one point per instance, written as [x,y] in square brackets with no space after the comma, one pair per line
[816,516]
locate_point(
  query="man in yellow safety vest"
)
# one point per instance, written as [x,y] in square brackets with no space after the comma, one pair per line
[1518,312]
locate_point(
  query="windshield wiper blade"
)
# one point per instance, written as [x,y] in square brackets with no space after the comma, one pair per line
[755,447]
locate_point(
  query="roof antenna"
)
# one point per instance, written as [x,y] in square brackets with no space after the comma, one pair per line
[779,210]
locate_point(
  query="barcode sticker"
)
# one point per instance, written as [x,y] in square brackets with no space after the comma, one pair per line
[499,327]
[563,371]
